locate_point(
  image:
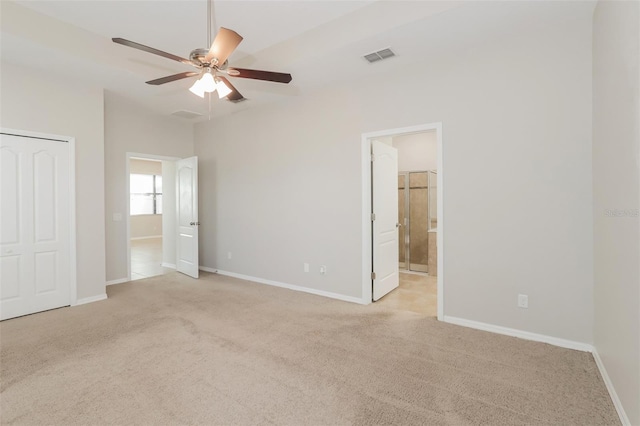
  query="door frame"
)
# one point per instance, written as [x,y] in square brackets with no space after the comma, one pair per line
[129,156]
[73,284]
[367,247]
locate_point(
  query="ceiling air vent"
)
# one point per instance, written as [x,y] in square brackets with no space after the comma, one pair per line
[379,55]
[186,114]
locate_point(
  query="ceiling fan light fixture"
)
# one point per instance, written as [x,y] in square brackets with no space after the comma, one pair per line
[223,89]
[197,89]
[207,82]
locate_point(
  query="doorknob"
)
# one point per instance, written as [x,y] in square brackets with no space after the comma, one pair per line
[398,225]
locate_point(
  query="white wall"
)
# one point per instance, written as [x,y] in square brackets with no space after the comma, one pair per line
[145,225]
[416,152]
[280,185]
[130,128]
[47,104]
[616,186]
[516,112]
[388,140]
[145,167]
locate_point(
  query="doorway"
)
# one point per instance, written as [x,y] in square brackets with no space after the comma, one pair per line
[145,218]
[150,215]
[428,187]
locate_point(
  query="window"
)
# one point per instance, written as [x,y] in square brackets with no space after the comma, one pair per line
[146,194]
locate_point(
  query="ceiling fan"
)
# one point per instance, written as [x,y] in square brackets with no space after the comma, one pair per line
[210,64]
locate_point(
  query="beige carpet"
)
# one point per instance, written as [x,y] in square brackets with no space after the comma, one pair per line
[172,350]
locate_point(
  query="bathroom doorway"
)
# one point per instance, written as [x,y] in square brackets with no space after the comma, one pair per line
[417,192]
[418,219]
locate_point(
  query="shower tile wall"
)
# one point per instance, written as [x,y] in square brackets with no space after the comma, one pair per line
[433,253]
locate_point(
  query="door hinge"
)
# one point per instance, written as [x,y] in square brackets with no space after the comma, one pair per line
[373,157]
[373,275]
[373,217]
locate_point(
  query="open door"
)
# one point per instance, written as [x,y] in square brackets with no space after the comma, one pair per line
[384,195]
[187,216]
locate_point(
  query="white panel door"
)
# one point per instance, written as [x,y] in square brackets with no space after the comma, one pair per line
[34,226]
[187,216]
[384,178]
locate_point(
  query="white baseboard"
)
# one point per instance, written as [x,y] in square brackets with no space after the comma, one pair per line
[206,269]
[146,238]
[563,343]
[169,265]
[287,286]
[612,391]
[118,281]
[91,299]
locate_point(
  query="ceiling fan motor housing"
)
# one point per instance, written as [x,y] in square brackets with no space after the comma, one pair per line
[197,56]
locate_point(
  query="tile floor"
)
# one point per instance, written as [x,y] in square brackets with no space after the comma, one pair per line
[146,258]
[416,293]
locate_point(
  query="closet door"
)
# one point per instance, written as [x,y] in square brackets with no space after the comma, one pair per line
[34,225]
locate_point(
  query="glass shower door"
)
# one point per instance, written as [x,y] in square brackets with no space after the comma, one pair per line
[413,214]
[419,224]
[403,182]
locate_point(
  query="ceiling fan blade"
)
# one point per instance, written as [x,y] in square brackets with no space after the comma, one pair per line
[170,78]
[277,77]
[223,45]
[148,49]
[234,96]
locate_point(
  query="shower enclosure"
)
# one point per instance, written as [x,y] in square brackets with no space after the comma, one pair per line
[417,213]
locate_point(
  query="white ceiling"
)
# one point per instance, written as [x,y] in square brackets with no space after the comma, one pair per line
[180,26]
[318,42]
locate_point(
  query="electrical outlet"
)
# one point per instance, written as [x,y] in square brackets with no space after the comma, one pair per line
[323,270]
[523,301]
[228,255]
[306,267]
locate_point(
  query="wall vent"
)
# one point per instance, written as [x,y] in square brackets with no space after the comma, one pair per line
[186,114]
[379,55]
